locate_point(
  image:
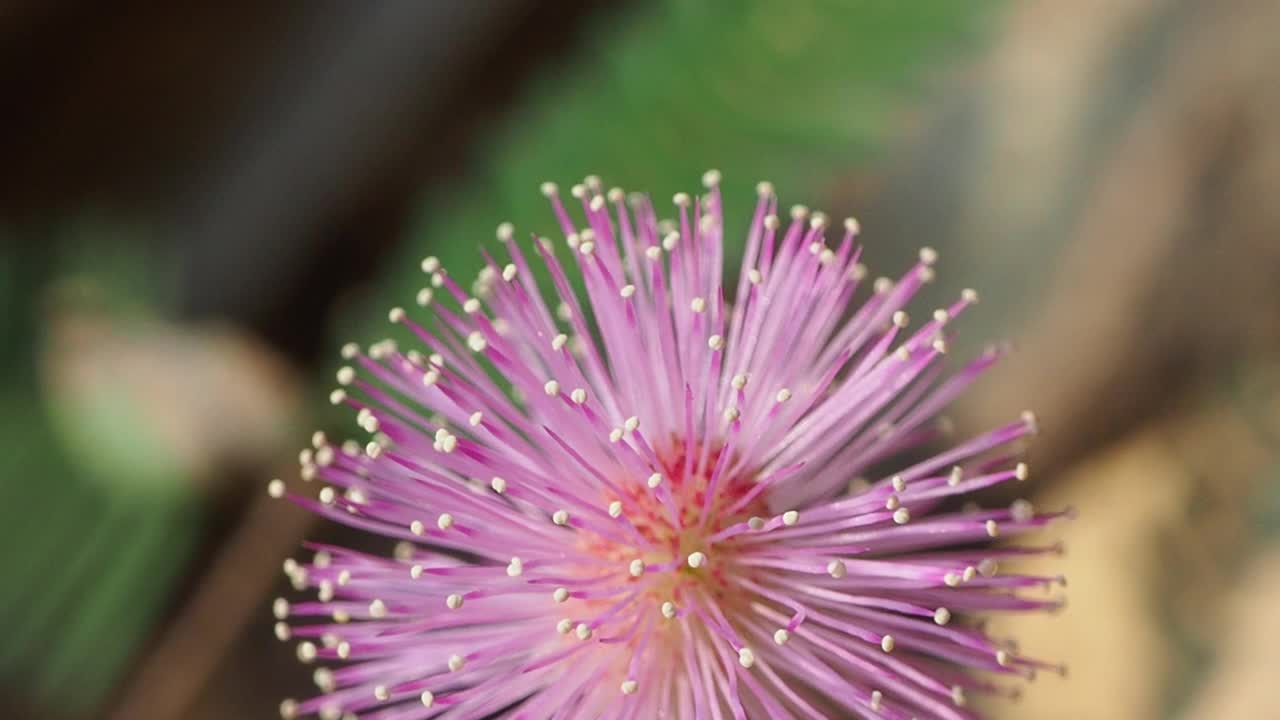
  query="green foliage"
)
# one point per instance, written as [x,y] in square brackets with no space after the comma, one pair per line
[89,561]
[800,93]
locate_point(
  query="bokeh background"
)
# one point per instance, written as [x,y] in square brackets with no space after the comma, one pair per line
[199,204]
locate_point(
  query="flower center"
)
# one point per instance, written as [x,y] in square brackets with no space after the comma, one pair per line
[675,532]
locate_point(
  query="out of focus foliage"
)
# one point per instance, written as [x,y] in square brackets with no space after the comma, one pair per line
[797,93]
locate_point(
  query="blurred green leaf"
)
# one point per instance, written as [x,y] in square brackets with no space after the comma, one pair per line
[797,93]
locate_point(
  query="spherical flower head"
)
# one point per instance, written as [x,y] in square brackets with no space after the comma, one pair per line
[636,499]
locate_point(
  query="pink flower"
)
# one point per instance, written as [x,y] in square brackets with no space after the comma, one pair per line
[642,501]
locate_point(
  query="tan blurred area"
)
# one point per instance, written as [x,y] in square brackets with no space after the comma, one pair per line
[1150,350]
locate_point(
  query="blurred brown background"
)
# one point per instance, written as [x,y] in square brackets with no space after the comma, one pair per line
[199,204]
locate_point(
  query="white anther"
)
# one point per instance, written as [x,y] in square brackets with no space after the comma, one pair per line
[456,662]
[668,610]
[790,518]
[499,485]
[453,602]
[837,569]
[346,374]
[560,517]
[476,341]
[324,456]
[560,594]
[715,342]
[654,480]
[583,631]
[781,636]
[615,508]
[276,488]
[636,568]
[578,395]
[444,521]
[551,388]
[697,559]
[629,687]
[698,304]
[783,395]
[887,643]
[377,609]
[902,516]
[627,291]
[746,658]
[942,616]
[307,652]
